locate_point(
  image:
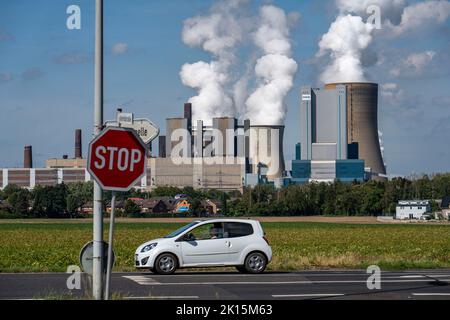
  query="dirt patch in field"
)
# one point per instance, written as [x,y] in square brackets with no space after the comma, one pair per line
[318,219]
[362,220]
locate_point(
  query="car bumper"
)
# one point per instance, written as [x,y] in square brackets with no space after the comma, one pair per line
[144,260]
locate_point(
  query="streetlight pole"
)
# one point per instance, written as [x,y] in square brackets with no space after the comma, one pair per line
[97,271]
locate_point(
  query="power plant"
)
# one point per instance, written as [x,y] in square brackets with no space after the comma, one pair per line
[362,119]
[338,141]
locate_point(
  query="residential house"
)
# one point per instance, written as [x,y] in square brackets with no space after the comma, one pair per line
[155,205]
[182,206]
[445,207]
[212,207]
[412,209]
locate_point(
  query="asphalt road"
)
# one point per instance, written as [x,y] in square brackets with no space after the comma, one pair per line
[317,285]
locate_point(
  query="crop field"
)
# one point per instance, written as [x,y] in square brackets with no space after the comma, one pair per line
[46,247]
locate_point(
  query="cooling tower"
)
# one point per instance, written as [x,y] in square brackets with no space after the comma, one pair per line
[362,119]
[266,148]
[226,126]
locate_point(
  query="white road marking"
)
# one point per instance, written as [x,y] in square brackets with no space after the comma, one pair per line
[311,295]
[161,297]
[147,281]
[431,294]
[142,280]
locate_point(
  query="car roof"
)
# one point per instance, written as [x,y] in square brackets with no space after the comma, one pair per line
[227,220]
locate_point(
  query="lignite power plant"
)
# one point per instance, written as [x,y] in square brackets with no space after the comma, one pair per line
[338,141]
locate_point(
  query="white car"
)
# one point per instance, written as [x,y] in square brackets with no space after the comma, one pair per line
[211,243]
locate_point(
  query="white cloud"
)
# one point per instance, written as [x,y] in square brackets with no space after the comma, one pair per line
[421,16]
[391,92]
[415,64]
[345,41]
[5,77]
[120,48]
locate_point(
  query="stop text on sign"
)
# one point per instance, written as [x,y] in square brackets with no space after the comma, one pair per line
[113,157]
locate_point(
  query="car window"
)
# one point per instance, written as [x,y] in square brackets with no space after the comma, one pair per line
[181,230]
[238,229]
[208,231]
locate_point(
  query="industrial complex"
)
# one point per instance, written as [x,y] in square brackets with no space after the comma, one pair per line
[338,141]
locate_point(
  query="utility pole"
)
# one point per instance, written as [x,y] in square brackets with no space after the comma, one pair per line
[97,271]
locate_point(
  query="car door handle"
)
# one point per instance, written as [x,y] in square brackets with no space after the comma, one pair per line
[228,244]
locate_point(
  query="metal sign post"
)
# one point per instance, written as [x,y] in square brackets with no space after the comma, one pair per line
[97,282]
[110,246]
[117,161]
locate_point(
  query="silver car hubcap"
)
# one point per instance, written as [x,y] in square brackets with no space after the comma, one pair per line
[166,264]
[256,263]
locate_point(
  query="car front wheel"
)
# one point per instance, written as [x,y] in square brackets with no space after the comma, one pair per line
[166,264]
[255,263]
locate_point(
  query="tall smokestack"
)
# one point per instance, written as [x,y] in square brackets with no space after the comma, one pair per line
[78,146]
[162,146]
[188,115]
[28,157]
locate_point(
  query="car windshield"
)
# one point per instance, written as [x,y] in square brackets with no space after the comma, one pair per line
[181,230]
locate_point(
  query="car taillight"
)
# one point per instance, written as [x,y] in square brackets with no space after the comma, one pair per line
[265,238]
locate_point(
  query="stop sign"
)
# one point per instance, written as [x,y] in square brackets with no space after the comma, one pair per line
[117,159]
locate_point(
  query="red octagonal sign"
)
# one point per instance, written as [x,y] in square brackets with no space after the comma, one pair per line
[117,159]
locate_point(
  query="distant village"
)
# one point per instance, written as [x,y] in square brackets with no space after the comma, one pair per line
[180,204]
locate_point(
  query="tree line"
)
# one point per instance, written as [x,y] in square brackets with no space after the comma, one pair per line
[371,198]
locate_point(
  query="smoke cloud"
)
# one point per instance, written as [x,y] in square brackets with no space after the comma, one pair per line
[217,33]
[221,90]
[345,41]
[275,71]
[350,36]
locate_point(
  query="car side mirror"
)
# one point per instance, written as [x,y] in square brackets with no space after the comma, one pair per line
[187,237]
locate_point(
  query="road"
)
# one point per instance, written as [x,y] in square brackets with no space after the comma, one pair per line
[316,285]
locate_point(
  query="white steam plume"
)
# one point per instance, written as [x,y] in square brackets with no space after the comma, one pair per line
[274,71]
[345,41]
[349,35]
[217,33]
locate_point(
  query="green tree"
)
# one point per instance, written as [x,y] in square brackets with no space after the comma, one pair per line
[131,209]
[195,208]
[20,201]
[50,201]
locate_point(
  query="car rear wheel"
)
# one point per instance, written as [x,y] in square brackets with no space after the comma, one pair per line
[255,263]
[166,264]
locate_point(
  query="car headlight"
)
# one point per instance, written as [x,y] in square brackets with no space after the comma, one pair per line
[149,247]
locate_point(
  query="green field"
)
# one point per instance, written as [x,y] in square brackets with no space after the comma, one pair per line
[44,247]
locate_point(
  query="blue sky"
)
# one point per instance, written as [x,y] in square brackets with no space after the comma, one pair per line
[46,76]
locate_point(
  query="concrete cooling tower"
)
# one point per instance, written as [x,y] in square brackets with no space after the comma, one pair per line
[362,119]
[266,149]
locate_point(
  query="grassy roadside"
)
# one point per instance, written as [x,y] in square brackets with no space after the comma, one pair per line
[48,247]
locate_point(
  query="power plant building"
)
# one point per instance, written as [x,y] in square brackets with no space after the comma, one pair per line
[324,153]
[338,141]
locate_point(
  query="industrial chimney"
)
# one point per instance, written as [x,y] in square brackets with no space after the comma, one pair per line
[162,146]
[28,157]
[78,149]
[188,116]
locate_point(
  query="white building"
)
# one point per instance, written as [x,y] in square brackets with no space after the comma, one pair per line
[412,209]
